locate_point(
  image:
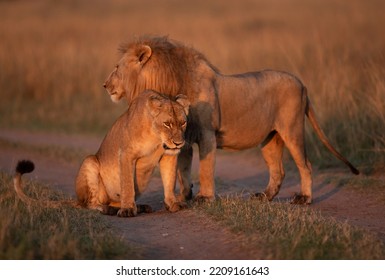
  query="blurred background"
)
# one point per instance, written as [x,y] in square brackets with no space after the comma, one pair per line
[55,56]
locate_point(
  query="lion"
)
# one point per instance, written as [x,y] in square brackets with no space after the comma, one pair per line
[234,112]
[151,131]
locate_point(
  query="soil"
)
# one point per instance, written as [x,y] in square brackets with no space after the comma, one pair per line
[187,234]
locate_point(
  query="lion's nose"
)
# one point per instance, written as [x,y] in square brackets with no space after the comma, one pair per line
[178,143]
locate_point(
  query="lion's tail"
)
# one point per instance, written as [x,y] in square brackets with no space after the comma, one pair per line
[27,166]
[313,121]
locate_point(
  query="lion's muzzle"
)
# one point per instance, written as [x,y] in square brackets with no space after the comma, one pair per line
[173,148]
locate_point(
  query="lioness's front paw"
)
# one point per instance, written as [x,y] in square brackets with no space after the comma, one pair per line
[127,212]
[175,207]
[301,199]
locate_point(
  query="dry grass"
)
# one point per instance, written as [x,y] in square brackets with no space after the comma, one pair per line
[54,57]
[285,231]
[56,152]
[38,232]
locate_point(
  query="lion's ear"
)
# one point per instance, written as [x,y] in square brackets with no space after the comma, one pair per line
[183,100]
[155,103]
[144,53]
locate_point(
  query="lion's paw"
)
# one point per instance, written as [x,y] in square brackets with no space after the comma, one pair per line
[175,207]
[203,199]
[301,199]
[127,212]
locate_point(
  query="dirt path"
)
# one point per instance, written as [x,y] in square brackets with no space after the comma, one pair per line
[186,235]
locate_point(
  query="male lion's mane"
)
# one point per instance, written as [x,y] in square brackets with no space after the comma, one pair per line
[172,66]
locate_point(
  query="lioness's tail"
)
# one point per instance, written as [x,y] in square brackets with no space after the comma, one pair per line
[313,121]
[27,166]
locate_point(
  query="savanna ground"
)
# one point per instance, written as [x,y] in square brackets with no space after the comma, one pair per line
[55,56]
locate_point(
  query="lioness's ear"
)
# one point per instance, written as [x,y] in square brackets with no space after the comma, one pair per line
[183,100]
[155,104]
[144,52]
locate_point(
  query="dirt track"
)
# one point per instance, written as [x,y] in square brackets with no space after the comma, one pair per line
[186,235]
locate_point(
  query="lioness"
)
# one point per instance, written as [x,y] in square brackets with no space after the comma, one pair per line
[151,131]
[235,112]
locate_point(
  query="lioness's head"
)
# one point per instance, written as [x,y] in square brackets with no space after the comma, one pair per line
[146,64]
[170,120]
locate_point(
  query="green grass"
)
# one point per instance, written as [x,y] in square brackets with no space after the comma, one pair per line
[284,231]
[35,232]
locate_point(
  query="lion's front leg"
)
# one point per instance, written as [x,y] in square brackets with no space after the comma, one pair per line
[168,166]
[127,173]
[184,173]
[207,153]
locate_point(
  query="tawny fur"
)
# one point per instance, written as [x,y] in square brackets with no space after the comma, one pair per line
[149,133]
[235,112]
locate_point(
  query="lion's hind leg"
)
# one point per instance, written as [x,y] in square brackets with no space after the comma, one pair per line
[272,151]
[305,171]
[90,189]
[296,146]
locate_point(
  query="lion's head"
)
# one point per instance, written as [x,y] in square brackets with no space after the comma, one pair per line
[157,63]
[170,120]
[146,64]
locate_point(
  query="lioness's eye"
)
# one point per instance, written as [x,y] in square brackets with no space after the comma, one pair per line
[167,124]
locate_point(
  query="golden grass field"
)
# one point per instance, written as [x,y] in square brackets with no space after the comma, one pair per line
[55,56]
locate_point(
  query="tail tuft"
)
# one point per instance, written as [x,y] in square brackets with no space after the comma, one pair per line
[24,166]
[354,170]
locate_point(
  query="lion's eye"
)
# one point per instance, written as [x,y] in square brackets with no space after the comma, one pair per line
[183,124]
[167,124]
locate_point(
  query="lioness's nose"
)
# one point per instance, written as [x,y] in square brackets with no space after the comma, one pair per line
[178,143]
[105,85]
